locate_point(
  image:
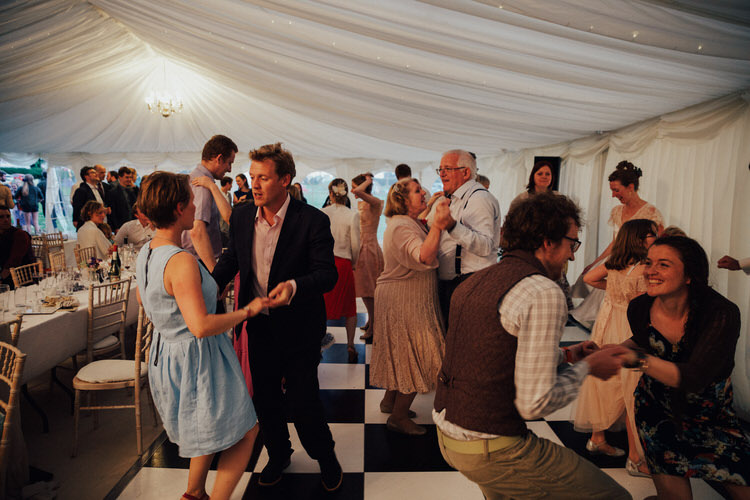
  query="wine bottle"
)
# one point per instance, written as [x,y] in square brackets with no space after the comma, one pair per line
[115,265]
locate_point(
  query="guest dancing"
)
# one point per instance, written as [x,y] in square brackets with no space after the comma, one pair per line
[345,229]
[601,403]
[89,234]
[623,183]
[194,374]
[684,340]
[408,346]
[370,263]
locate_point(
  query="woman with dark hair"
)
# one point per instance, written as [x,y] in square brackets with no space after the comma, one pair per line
[370,263]
[28,197]
[195,377]
[540,181]
[298,187]
[408,343]
[89,234]
[340,302]
[244,193]
[684,340]
[601,403]
[624,183]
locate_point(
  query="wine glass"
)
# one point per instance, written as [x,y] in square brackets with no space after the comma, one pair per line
[4,300]
[19,299]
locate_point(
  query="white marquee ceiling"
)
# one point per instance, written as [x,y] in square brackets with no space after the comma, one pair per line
[390,79]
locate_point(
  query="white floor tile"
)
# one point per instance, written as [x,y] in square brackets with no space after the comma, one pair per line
[575,334]
[566,413]
[543,430]
[341,376]
[350,446]
[420,486]
[157,484]
[422,406]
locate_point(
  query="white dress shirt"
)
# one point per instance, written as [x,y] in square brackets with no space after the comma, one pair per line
[477,231]
[136,234]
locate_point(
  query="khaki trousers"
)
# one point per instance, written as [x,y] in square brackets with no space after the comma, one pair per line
[534,468]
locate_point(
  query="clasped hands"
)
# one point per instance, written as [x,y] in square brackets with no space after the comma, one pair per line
[443,219]
[281,295]
[605,361]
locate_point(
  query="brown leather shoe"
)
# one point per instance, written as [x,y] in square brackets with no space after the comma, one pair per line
[384,408]
[408,427]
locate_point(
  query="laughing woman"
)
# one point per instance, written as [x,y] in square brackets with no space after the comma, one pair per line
[684,340]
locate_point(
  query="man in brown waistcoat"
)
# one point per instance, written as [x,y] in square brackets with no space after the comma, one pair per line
[501,365]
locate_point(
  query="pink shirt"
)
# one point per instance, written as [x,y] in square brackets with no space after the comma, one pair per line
[264,247]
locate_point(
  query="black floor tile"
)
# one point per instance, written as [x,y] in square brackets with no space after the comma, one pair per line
[387,451]
[306,487]
[167,457]
[576,441]
[338,353]
[343,406]
[367,379]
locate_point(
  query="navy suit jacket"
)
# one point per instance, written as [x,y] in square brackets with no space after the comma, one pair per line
[303,253]
[83,194]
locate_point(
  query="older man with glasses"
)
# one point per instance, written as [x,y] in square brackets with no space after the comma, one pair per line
[470,242]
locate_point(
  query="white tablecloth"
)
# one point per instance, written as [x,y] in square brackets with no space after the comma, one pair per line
[49,339]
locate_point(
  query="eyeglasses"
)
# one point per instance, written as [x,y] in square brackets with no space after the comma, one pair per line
[446,169]
[576,243]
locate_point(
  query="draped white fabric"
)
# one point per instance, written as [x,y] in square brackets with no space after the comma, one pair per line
[353,86]
[394,79]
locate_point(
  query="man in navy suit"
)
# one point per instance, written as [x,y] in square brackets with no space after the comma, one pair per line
[87,191]
[283,248]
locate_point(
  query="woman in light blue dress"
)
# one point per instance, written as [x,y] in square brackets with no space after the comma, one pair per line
[194,374]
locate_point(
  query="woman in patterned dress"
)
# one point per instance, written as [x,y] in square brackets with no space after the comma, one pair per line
[370,263]
[684,340]
[408,345]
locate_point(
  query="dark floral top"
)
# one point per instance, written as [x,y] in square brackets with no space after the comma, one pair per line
[690,432]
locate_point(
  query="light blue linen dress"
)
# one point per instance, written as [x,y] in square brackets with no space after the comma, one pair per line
[196,383]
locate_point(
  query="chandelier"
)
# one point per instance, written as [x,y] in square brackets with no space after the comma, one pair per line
[163,102]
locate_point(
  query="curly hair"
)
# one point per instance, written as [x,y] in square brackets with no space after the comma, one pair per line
[89,209]
[626,174]
[546,216]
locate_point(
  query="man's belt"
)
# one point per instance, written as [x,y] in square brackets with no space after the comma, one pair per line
[478,446]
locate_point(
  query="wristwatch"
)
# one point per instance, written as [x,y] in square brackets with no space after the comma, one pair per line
[642,361]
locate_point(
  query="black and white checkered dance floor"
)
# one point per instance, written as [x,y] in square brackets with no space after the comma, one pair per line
[377,464]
